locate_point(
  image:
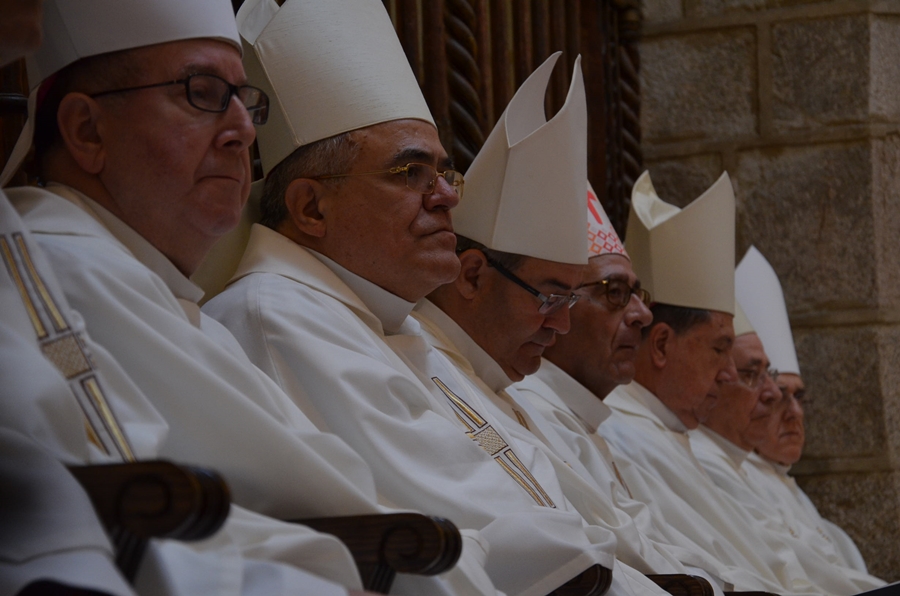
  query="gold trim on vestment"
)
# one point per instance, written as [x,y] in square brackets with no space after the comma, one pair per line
[518,463]
[477,420]
[109,420]
[521,481]
[55,313]
[27,302]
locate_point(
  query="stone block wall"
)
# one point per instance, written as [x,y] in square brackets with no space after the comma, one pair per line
[800,101]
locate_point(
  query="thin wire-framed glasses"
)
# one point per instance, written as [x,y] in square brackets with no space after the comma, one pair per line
[420,177]
[549,304]
[753,378]
[616,291]
[210,93]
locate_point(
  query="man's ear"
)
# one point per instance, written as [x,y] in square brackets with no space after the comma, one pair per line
[302,201]
[659,343]
[471,274]
[81,128]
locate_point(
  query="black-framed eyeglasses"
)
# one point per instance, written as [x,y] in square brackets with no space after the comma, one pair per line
[211,93]
[616,291]
[549,304]
[420,177]
[753,378]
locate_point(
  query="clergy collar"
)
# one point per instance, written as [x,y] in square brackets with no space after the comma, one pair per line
[587,406]
[390,309]
[149,256]
[781,469]
[737,455]
[646,398]
[485,367]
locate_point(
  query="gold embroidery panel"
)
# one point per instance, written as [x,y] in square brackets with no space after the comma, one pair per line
[492,443]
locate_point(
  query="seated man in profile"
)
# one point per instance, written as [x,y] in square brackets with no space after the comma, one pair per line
[777,438]
[722,447]
[65,401]
[357,228]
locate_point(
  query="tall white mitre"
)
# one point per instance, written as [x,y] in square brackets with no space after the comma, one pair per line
[329,66]
[525,191]
[602,236]
[76,30]
[760,294]
[684,257]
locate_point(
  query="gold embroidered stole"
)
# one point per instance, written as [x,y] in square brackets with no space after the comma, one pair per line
[63,346]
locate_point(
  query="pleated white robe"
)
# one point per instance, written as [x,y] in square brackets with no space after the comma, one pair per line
[793,502]
[165,399]
[665,475]
[481,380]
[322,333]
[726,464]
[576,413]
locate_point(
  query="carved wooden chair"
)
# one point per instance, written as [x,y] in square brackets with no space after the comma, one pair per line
[159,499]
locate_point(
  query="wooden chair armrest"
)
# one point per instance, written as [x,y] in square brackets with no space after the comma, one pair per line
[13,103]
[679,584]
[593,581]
[153,499]
[385,544]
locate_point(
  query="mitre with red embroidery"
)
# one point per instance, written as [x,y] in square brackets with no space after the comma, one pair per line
[602,236]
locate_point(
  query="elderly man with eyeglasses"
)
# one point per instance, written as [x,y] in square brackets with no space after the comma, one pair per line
[355,229]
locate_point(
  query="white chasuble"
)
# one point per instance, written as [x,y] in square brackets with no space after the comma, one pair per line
[726,464]
[482,381]
[575,414]
[782,489]
[322,333]
[665,475]
[169,401]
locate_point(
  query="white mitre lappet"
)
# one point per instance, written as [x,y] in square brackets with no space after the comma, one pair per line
[329,67]
[76,30]
[684,257]
[602,236]
[760,294]
[525,191]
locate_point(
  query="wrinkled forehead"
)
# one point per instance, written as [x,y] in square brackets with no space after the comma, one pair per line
[609,266]
[186,57]
[399,142]
[749,349]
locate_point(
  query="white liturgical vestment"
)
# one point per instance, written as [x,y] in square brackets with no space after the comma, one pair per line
[322,332]
[726,464]
[576,413]
[782,489]
[666,476]
[48,420]
[481,380]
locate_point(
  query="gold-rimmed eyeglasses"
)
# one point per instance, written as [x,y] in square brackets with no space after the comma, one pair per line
[753,378]
[616,291]
[420,177]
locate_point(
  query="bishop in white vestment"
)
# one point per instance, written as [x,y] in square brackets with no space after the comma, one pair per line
[357,228]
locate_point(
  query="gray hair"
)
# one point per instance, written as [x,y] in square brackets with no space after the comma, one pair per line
[331,156]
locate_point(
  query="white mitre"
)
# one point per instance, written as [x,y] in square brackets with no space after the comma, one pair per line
[760,294]
[526,188]
[602,236]
[684,257]
[742,325]
[76,30]
[329,67]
